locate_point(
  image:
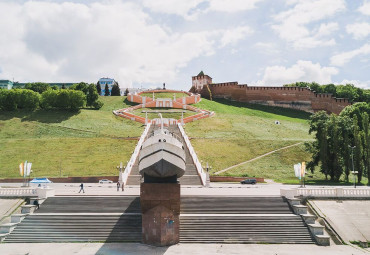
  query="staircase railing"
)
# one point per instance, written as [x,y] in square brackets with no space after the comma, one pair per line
[135,154]
[326,192]
[198,166]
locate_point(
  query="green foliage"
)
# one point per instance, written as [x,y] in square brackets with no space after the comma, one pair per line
[340,91]
[97,104]
[63,99]
[333,137]
[19,99]
[82,86]
[98,88]
[106,90]
[126,92]
[92,96]
[39,87]
[55,87]
[115,90]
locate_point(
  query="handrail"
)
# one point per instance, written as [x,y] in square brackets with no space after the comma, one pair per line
[18,192]
[198,166]
[134,155]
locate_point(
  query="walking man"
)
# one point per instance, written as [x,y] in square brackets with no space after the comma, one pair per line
[118,186]
[123,186]
[81,188]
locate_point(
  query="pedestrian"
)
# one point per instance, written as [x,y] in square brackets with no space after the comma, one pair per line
[81,188]
[123,186]
[118,185]
[36,202]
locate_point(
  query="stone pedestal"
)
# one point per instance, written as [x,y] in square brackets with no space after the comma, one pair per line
[160,207]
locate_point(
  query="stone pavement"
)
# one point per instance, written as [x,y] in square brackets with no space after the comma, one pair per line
[7,206]
[204,249]
[351,219]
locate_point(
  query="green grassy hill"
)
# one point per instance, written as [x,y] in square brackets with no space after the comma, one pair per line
[73,144]
[91,142]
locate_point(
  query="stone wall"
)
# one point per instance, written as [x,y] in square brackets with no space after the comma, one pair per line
[288,97]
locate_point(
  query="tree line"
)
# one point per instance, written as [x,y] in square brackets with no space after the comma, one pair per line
[338,140]
[115,89]
[42,95]
[349,91]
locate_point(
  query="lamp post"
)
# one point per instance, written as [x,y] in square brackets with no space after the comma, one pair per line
[353,167]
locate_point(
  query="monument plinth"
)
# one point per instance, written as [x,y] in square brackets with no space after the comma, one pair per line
[160,207]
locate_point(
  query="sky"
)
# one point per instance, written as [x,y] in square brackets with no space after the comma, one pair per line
[145,43]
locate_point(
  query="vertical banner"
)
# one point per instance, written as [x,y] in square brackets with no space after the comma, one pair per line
[297,170]
[21,169]
[303,169]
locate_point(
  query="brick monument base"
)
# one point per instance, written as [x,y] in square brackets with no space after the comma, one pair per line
[160,207]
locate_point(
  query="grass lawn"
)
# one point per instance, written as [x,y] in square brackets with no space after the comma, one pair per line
[164,95]
[87,142]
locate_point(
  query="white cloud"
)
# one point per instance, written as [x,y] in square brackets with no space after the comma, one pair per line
[73,42]
[365,8]
[301,71]
[357,83]
[190,9]
[344,57]
[358,30]
[187,9]
[292,24]
[266,48]
[232,5]
[232,36]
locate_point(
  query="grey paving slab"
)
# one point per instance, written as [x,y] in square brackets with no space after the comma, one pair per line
[7,206]
[351,219]
[204,249]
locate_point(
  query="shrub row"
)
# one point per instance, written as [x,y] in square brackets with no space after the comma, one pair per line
[27,99]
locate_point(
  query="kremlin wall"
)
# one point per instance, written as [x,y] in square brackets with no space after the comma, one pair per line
[289,97]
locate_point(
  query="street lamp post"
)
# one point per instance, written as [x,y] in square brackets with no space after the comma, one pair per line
[353,167]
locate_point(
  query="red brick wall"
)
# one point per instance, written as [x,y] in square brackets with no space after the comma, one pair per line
[232,179]
[289,97]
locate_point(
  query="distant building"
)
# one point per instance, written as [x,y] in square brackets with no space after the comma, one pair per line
[6,84]
[106,81]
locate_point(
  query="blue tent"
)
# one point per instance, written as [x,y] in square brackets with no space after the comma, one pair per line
[41,180]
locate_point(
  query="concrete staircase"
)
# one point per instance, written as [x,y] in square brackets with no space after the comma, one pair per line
[81,219]
[240,220]
[191,176]
[202,220]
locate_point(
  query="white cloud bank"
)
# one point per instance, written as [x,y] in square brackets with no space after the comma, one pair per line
[301,71]
[358,30]
[344,57]
[74,42]
[292,25]
[365,8]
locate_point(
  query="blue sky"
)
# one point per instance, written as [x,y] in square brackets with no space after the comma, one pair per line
[148,42]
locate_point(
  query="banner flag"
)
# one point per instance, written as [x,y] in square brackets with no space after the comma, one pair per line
[28,169]
[21,169]
[303,169]
[297,170]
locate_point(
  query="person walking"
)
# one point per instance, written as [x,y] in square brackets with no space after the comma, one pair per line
[118,185]
[123,186]
[81,188]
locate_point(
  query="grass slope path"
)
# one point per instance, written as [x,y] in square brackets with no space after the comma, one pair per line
[253,159]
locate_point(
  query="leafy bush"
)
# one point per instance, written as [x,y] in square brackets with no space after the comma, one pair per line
[11,100]
[38,87]
[98,104]
[63,99]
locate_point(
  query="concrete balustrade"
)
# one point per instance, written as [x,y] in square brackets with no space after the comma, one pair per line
[309,218]
[2,236]
[7,228]
[28,208]
[322,240]
[316,229]
[326,192]
[16,218]
[300,209]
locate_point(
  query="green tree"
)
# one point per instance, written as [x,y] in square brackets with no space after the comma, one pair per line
[106,90]
[82,86]
[92,95]
[366,145]
[358,151]
[39,87]
[126,92]
[115,90]
[346,131]
[98,88]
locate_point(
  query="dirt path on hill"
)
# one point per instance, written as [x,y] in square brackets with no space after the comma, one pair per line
[261,156]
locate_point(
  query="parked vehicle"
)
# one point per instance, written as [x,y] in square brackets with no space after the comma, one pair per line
[249,181]
[105,181]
